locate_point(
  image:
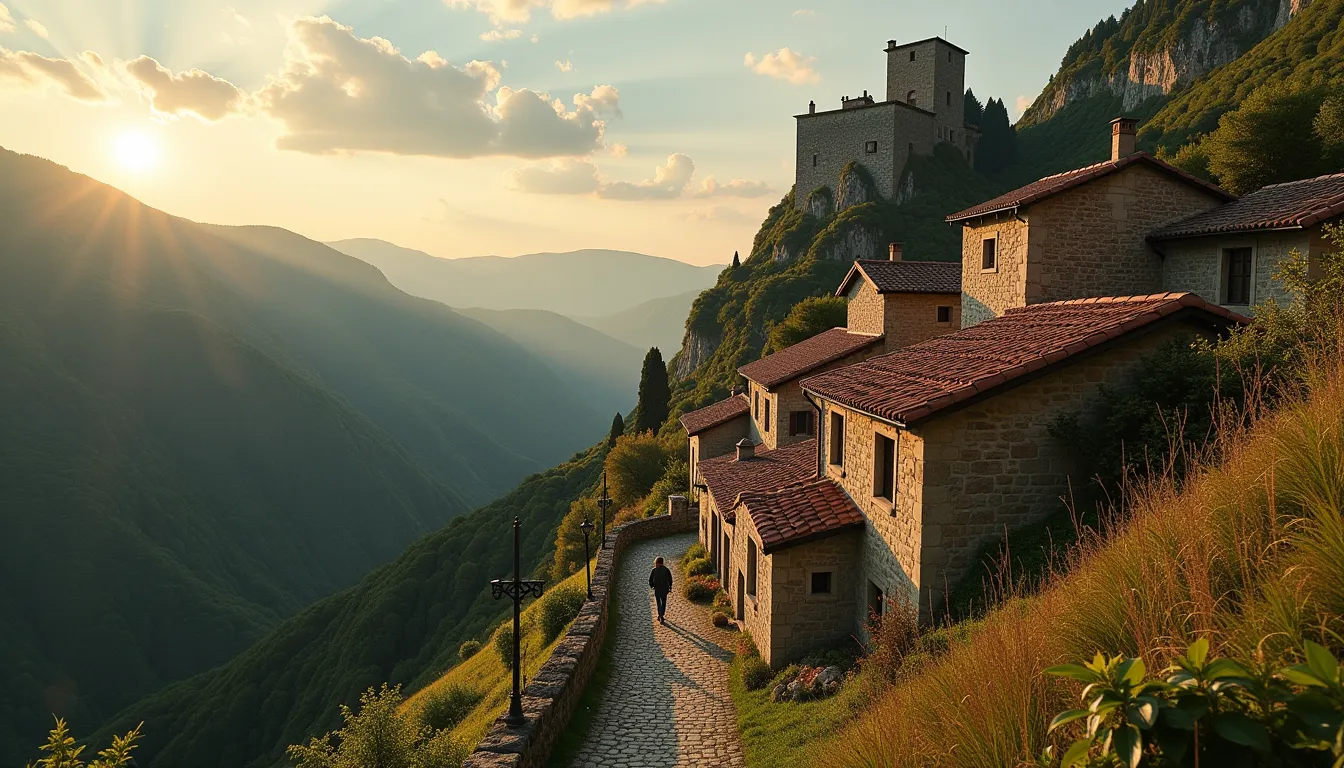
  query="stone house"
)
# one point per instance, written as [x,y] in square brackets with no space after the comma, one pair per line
[1076,234]
[902,301]
[924,105]
[1231,253]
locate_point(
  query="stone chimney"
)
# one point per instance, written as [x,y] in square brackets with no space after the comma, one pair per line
[745,449]
[894,251]
[1123,136]
[812,107]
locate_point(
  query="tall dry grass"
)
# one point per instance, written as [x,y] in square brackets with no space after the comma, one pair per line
[1248,553]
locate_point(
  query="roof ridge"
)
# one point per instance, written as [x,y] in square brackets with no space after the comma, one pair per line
[1131,299]
[1298,181]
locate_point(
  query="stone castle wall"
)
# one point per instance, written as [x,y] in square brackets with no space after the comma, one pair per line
[551,696]
[938,77]
[839,136]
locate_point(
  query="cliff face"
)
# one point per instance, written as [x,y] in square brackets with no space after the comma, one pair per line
[1156,47]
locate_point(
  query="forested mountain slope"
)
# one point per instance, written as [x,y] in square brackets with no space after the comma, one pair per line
[203,430]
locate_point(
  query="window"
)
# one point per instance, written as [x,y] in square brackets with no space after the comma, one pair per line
[951,134]
[910,97]
[949,56]
[767,415]
[875,601]
[814,161]
[944,314]
[800,423]
[837,439]
[1237,275]
[756,405]
[912,55]
[949,98]
[912,148]
[884,467]
[821,583]
[751,566]
[870,147]
[989,254]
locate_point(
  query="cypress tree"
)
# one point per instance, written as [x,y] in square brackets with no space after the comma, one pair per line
[998,140]
[654,393]
[975,111]
[617,429]
[737,262]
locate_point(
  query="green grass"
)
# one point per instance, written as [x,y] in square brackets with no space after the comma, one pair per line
[786,733]
[572,738]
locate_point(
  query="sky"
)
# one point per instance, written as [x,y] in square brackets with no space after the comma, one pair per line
[479,127]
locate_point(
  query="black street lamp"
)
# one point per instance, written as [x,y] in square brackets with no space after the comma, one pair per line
[604,502]
[587,526]
[517,590]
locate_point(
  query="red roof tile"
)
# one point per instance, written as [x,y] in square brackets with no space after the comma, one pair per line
[716,414]
[791,362]
[726,477]
[905,276]
[1291,205]
[1060,182]
[799,514]
[922,379]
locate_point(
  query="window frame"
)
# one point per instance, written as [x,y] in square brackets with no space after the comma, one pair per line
[812,583]
[870,147]
[993,253]
[835,440]
[756,404]
[943,309]
[766,421]
[884,468]
[816,156]
[753,552]
[1225,253]
[912,54]
[801,423]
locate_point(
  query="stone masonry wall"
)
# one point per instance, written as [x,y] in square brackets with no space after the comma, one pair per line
[913,317]
[864,308]
[1196,264]
[800,621]
[551,696]
[985,294]
[837,137]
[938,78]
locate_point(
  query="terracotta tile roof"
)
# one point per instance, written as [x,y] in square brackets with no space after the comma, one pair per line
[922,379]
[716,414]
[1291,205]
[791,362]
[799,514]
[905,276]
[1060,182]
[726,477]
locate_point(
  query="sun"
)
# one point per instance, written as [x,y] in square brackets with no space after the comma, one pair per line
[136,152]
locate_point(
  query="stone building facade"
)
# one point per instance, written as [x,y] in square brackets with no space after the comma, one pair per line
[924,106]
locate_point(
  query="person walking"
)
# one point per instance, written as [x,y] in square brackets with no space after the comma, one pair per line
[660,581]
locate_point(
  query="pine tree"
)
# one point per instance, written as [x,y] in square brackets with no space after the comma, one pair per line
[737,262]
[998,139]
[654,393]
[975,111]
[617,429]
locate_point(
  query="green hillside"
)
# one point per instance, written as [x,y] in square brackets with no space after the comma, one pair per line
[403,624]
[207,429]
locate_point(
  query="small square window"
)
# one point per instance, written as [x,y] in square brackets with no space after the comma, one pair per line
[944,314]
[870,147]
[912,55]
[989,253]
[800,423]
[821,583]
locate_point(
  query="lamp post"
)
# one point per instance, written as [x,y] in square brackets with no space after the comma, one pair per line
[587,526]
[517,590]
[604,502]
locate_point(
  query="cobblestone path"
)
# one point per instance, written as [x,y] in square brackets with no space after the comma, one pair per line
[667,701]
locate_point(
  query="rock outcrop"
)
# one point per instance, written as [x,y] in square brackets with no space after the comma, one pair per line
[695,349]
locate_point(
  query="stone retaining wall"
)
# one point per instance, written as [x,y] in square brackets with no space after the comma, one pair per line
[551,696]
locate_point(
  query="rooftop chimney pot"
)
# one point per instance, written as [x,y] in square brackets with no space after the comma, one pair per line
[1124,132]
[895,251]
[812,107]
[745,449]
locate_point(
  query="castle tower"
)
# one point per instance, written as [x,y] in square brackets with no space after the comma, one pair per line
[931,75]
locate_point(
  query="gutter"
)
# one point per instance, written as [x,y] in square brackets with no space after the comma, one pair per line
[817,408]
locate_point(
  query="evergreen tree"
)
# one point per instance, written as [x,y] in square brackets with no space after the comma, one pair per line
[998,139]
[737,262]
[975,111]
[617,429]
[654,393]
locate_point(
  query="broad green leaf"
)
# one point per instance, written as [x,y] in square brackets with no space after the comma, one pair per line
[1146,712]
[1128,745]
[1073,671]
[1134,671]
[1224,668]
[1067,716]
[1301,674]
[1076,753]
[1322,663]
[1198,652]
[1240,729]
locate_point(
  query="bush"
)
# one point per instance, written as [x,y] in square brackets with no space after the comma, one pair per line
[503,642]
[558,608]
[468,649]
[62,751]
[380,731]
[719,619]
[674,481]
[633,465]
[696,552]
[448,705]
[700,567]
[701,589]
[721,602]
[756,673]
[894,636]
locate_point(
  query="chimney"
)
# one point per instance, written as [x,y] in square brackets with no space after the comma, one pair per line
[1123,131]
[891,44]
[745,449]
[812,107]
[894,251]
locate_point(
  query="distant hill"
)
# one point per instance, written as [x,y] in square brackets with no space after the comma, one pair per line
[602,371]
[205,429]
[655,323]
[589,282]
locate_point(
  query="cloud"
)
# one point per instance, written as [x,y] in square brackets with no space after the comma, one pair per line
[784,64]
[1021,104]
[6,19]
[560,177]
[668,182]
[619,150]
[804,12]
[339,92]
[196,92]
[735,188]
[516,11]
[35,71]
[719,213]
[37,28]
[565,66]
[496,35]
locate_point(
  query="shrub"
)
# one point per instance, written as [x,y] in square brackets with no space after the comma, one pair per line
[701,589]
[746,647]
[756,673]
[721,602]
[893,636]
[468,649]
[380,733]
[503,642]
[558,608]
[786,675]
[448,705]
[700,567]
[62,751]
[696,552]
[719,619]
[674,481]
[633,465]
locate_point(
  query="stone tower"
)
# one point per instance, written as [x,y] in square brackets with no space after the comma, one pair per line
[930,74]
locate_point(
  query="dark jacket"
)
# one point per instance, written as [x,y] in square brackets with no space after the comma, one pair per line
[660,579]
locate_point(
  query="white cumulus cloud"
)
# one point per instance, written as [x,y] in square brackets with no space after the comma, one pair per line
[37,28]
[496,35]
[30,70]
[503,12]
[734,188]
[784,64]
[668,182]
[565,176]
[6,19]
[565,66]
[195,92]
